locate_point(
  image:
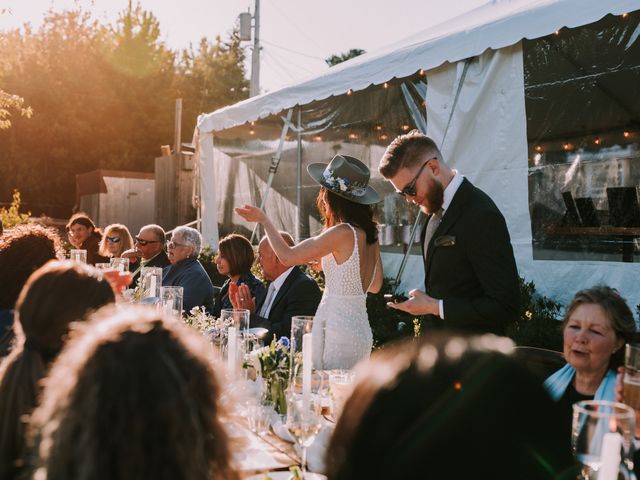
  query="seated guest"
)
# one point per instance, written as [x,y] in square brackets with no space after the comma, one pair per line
[159,417]
[448,407]
[597,324]
[23,250]
[290,293]
[84,235]
[149,250]
[186,271]
[235,258]
[116,239]
[53,297]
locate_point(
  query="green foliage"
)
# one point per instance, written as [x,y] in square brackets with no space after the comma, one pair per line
[104,97]
[10,102]
[387,324]
[538,324]
[11,216]
[343,57]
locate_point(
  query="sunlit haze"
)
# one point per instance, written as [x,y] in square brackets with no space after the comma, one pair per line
[296,35]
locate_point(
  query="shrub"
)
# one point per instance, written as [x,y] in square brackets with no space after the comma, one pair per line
[11,217]
[538,324]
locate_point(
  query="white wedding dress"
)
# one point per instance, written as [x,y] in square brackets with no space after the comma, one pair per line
[341,332]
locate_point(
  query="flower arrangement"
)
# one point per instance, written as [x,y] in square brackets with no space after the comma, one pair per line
[344,184]
[273,361]
[211,327]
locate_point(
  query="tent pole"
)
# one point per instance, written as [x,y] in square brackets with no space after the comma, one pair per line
[396,282]
[275,161]
[299,179]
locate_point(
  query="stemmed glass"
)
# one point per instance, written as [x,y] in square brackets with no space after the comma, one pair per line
[304,420]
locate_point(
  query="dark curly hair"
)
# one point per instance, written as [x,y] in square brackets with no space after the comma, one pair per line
[340,210]
[133,396]
[53,297]
[23,250]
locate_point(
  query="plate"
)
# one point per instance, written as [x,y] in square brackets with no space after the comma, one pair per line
[286,475]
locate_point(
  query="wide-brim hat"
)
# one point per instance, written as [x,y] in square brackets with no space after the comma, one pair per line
[347,177]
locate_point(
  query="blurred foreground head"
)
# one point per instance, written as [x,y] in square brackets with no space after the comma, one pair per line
[54,296]
[133,396]
[448,407]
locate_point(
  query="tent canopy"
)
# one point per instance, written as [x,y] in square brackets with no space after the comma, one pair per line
[491,26]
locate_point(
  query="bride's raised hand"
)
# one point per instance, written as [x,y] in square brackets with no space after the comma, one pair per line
[251,213]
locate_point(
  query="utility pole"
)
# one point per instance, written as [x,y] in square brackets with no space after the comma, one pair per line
[254,85]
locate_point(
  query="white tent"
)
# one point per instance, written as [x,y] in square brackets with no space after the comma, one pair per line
[475,109]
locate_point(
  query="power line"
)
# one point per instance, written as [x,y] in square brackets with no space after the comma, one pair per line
[281,68]
[295,25]
[292,51]
[289,62]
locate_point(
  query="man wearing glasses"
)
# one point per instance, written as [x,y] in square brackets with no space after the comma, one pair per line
[471,279]
[148,251]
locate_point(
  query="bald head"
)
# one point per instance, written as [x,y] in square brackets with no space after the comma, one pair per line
[272,268]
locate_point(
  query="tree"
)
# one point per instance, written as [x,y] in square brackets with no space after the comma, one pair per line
[10,102]
[211,77]
[343,57]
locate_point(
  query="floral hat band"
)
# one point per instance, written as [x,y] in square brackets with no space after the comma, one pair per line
[347,177]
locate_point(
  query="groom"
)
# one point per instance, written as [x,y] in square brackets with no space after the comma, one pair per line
[471,280]
[290,293]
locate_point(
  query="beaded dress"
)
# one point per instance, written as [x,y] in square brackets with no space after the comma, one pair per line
[341,331]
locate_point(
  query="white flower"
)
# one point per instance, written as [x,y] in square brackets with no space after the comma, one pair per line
[343,185]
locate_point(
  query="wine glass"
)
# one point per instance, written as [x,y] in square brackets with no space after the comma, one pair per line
[304,420]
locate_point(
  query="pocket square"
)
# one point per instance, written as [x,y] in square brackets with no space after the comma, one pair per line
[445,241]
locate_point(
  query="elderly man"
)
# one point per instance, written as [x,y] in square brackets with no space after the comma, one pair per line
[471,280]
[186,271]
[290,293]
[149,250]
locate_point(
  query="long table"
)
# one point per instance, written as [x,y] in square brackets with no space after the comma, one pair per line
[254,454]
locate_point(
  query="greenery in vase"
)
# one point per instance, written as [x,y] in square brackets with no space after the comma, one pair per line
[274,369]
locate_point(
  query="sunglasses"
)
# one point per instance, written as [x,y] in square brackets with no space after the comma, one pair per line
[113,239]
[172,244]
[410,188]
[145,242]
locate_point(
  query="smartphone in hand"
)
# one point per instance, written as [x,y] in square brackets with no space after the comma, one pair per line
[395,297]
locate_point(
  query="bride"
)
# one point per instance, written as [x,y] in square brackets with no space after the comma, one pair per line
[349,254]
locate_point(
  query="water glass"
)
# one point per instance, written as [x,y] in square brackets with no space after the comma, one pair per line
[171,301]
[78,255]
[151,280]
[340,387]
[236,317]
[631,378]
[259,416]
[300,327]
[602,439]
[120,264]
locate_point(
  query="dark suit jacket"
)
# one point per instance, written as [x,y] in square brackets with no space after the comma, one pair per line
[160,260]
[471,265]
[298,295]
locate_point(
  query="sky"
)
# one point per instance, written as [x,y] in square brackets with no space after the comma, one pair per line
[296,35]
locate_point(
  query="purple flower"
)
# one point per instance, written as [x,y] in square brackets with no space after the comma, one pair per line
[284,341]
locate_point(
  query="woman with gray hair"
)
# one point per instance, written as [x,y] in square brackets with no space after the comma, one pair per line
[186,271]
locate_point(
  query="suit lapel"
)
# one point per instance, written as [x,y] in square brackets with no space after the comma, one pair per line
[293,274]
[450,217]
